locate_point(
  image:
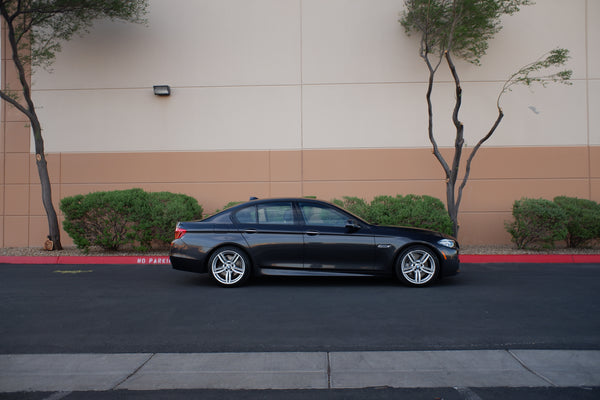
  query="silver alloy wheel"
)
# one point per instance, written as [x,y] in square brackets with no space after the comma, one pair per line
[228,267]
[418,266]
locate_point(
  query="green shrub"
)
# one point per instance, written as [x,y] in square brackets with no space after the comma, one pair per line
[411,210]
[385,210]
[427,212]
[229,205]
[537,222]
[125,217]
[355,205]
[166,210]
[103,219]
[583,220]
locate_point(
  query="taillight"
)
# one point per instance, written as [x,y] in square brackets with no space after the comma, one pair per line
[179,232]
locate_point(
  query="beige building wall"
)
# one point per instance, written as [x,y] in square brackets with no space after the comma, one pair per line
[302,98]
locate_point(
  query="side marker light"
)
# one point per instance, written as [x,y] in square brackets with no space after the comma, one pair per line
[179,232]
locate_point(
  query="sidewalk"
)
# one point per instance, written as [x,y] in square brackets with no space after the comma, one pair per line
[318,370]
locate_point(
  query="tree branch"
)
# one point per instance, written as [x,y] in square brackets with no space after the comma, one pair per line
[475,150]
[436,150]
[459,140]
[9,99]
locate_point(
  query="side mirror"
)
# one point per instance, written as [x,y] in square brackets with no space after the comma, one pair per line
[352,226]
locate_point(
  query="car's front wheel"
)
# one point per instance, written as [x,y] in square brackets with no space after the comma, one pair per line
[229,266]
[417,266]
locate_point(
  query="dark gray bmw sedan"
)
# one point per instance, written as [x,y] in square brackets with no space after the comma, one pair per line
[297,236]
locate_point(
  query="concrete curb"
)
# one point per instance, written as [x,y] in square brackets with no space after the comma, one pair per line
[300,370]
[531,258]
[149,260]
[93,260]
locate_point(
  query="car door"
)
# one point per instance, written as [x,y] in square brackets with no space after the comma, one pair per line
[273,234]
[329,245]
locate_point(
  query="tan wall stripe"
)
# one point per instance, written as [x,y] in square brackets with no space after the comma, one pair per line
[499,177]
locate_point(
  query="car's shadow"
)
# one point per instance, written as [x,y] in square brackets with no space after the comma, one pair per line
[316,281]
[321,281]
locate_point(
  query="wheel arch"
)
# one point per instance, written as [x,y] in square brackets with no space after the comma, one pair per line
[228,244]
[438,254]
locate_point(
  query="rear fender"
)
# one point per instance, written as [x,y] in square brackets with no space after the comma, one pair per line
[236,244]
[199,245]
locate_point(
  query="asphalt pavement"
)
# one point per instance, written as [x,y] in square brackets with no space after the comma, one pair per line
[540,303]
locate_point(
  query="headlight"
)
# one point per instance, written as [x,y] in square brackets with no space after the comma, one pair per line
[447,243]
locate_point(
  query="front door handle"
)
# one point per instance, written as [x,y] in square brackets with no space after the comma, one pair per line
[312,233]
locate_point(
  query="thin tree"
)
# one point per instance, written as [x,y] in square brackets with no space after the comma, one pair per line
[463,28]
[35,31]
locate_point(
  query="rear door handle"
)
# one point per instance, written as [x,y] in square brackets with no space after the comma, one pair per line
[250,231]
[312,233]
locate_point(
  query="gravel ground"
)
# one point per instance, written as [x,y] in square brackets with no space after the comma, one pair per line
[73,251]
[468,249]
[511,249]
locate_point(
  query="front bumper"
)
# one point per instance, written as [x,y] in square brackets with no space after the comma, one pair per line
[450,262]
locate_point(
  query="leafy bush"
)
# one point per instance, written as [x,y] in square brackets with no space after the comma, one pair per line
[411,210]
[103,218]
[385,210]
[583,220]
[537,222]
[125,217]
[355,205]
[228,205]
[166,209]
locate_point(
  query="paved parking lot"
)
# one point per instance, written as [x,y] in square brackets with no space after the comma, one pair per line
[75,328]
[154,309]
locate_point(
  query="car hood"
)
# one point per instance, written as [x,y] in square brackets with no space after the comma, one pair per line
[406,231]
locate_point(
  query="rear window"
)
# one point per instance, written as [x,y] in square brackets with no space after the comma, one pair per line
[270,213]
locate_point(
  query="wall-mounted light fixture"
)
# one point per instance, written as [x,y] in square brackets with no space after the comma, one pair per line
[162,90]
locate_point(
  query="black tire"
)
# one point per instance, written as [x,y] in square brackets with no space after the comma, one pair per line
[417,266]
[229,266]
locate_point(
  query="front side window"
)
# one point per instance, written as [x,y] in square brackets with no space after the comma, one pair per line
[318,215]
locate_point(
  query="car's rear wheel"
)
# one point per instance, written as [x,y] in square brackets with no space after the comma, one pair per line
[417,266]
[229,266]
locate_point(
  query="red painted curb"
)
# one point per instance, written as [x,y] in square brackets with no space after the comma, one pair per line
[152,260]
[86,260]
[530,258]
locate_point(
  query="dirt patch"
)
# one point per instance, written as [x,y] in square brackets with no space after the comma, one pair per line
[73,251]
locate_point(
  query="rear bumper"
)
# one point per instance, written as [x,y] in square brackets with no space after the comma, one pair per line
[182,260]
[186,264]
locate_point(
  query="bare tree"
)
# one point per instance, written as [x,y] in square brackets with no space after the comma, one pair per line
[463,28]
[35,31]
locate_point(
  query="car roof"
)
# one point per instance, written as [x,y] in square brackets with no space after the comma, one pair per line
[254,200]
[278,199]
[275,200]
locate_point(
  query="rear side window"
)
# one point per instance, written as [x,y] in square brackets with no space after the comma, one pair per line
[265,214]
[247,215]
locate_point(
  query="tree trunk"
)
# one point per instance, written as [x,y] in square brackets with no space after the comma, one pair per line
[42,166]
[29,110]
[53,226]
[459,142]
[452,206]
